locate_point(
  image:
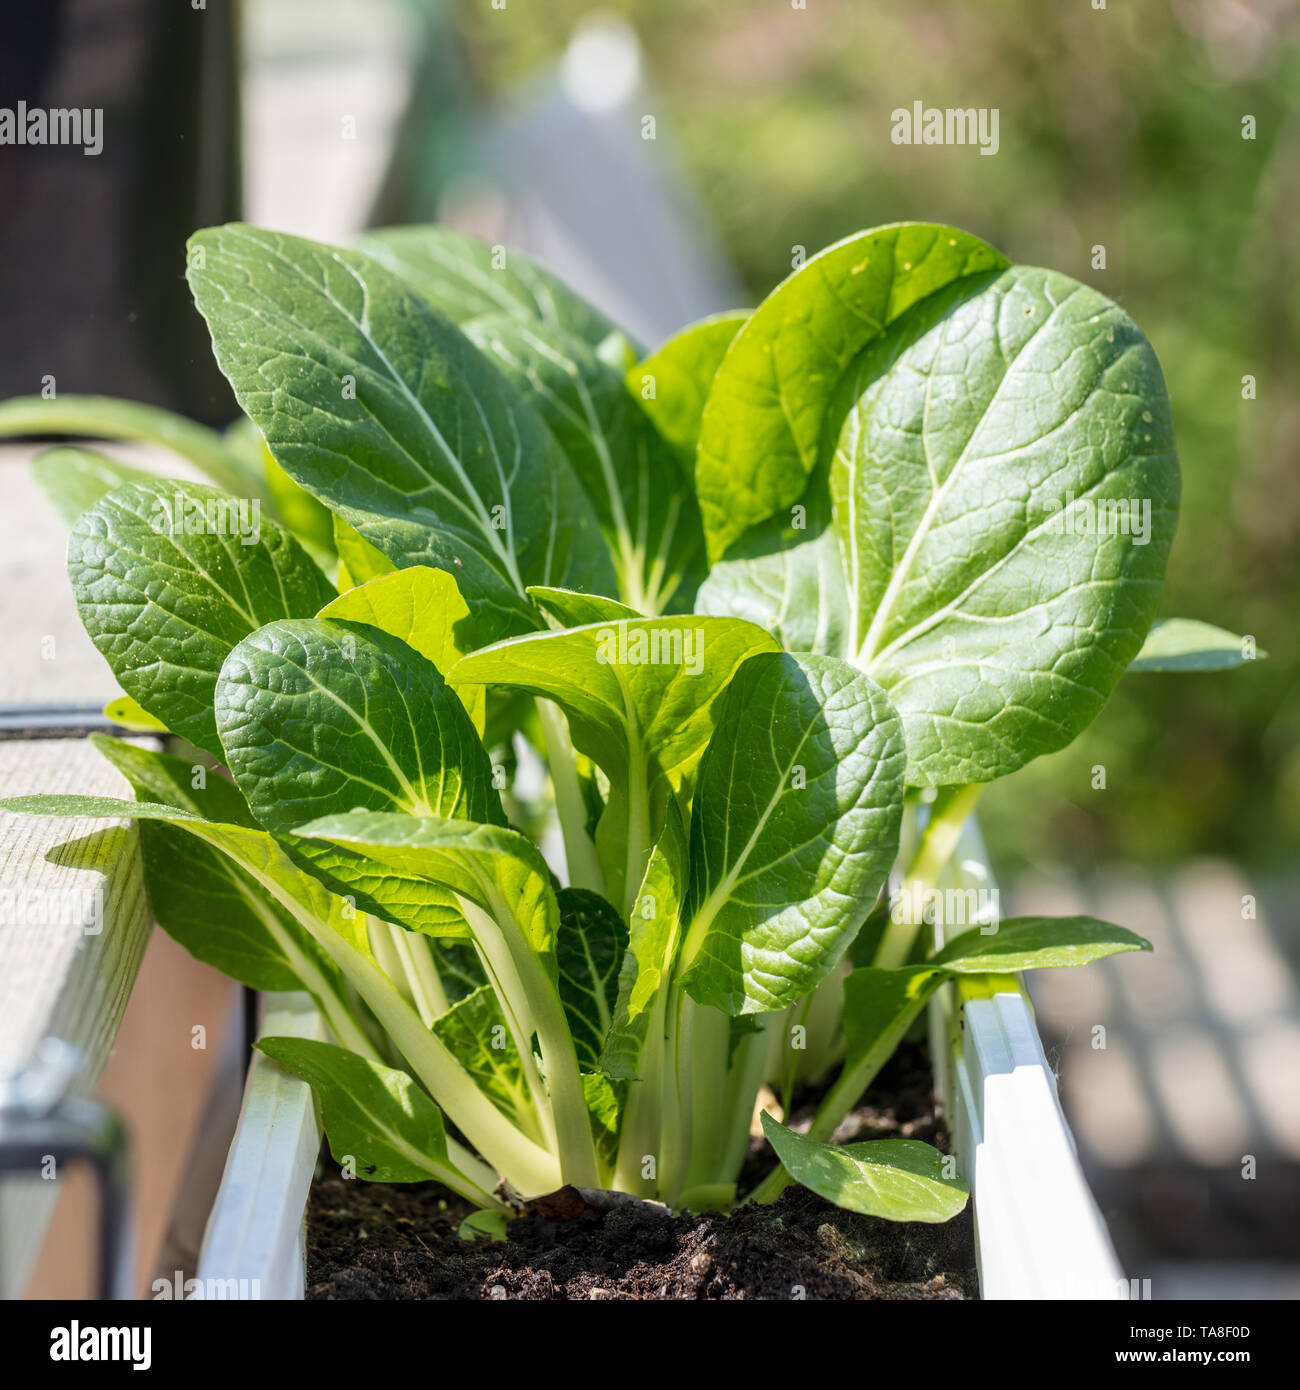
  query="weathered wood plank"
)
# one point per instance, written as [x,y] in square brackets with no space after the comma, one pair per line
[73,921]
[73,927]
[49,658]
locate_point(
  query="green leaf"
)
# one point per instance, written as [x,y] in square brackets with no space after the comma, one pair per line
[557,351]
[790,583]
[879,1006]
[466,279]
[319,716]
[424,608]
[380,407]
[1005,491]
[763,421]
[604,1108]
[341,933]
[589,952]
[459,968]
[164,604]
[494,867]
[570,609]
[373,1115]
[73,479]
[505,890]
[897,1179]
[679,373]
[644,499]
[166,780]
[310,520]
[1035,943]
[794,829]
[255,852]
[474,1031]
[1184,644]
[127,714]
[652,938]
[483,1225]
[359,561]
[198,895]
[421,606]
[639,696]
[104,417]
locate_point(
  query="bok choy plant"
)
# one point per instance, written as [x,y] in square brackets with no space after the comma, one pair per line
[786,590]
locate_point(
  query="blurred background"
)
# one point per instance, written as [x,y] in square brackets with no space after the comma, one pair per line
[670,158]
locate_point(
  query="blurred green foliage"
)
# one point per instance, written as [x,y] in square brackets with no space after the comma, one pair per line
[1120,127]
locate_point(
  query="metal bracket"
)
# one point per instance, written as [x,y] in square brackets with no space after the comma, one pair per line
[41,1118]
[60,721]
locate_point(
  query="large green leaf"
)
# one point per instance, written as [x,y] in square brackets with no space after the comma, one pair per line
[340,931]
[424,608]
[794,828]
[165,602]
[639,696]
[644,499]
[557,350]
[467,279]
[897,1179]
[790,583]
[505,891]
[673,383]
[379,406]
[374,1116]
[1186,644]
[490,865]
[762,425]
[1005,491]
[589,950]
[319,716]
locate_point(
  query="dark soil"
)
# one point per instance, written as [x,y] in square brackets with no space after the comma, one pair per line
[387,1241]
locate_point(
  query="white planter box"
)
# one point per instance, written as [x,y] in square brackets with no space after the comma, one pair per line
[258,1222]
[1039,1234]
